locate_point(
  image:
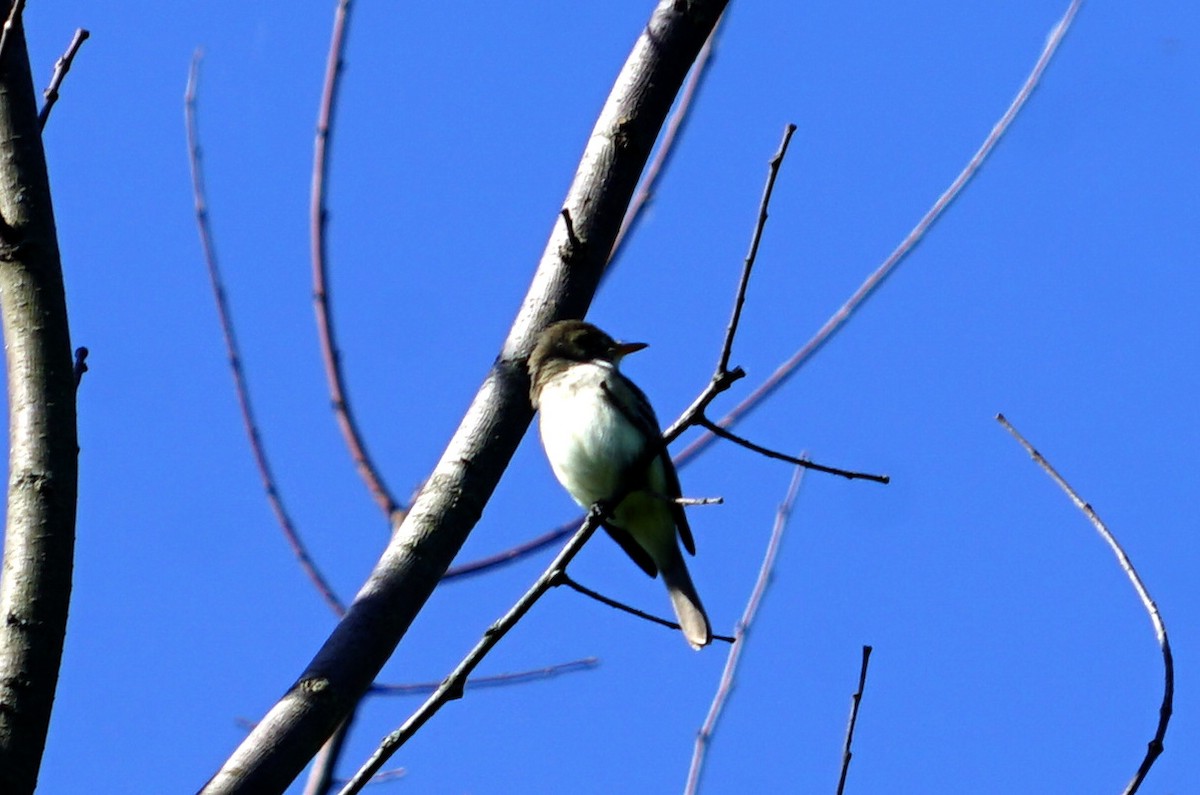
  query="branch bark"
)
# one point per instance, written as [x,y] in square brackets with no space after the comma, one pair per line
[455,493]
[39,536]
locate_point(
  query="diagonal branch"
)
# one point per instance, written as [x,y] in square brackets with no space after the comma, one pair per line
[235,358]
[1155,747]
[855,701]
[455,493]
[61,67]
[729,673]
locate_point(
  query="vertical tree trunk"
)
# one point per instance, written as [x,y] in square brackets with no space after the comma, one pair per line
[39,537]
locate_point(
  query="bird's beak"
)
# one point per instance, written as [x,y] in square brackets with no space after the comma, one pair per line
[623,349]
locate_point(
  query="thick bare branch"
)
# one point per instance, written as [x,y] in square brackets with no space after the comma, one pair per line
[39,536]
[453,497]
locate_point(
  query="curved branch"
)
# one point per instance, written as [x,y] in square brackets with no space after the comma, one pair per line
[1155,746]
[318,226]
[265,473]
[454,495]
[39,534]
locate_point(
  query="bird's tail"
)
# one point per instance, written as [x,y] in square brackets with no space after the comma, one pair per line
[686,601]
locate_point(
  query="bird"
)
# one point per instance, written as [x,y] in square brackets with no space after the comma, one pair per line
[597,429]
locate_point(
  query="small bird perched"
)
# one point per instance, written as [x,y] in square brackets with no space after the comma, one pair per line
[596,426]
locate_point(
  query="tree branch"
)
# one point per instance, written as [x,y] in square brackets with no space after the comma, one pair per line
[855,700]
[39,535]
[729,673]
[233,352]
[1155,747]
[61,67]
[454,495]
[319,245]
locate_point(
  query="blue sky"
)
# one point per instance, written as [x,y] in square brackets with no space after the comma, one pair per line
[1010,653]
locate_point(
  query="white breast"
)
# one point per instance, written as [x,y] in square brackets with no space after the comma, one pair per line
[588,441]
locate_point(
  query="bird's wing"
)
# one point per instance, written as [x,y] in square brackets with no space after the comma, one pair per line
[632,548]
[636,408]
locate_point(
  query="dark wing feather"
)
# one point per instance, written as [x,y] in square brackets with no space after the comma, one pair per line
[641,414]
[632,548]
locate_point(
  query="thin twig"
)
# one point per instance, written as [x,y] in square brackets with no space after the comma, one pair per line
[495,680]
[1155,746]
[14,15]
[728,675]
[512,554]
[232,351]
[855,700]
[81,367]
[61,67]
[802,462]
[755,238]
[452,686]
[666,147]
[835,323]
[565,579]
[318,225]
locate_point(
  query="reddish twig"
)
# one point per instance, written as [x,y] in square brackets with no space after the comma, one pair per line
[835,323]
[318,225]
[231,348]
[1155,747]
[728,675]
[855,700]
[61,67]
[495,680]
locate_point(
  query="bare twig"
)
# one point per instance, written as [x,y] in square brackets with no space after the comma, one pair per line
[318,225]
[565,579]
[512,554]
[728,675]
[231,348]
[855,700]
[81,354]
[452,686]
[835,323]
[495,680]
[802,462]
[1155,747]
[61,67]
[755,238]
[666,146]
